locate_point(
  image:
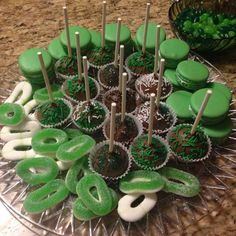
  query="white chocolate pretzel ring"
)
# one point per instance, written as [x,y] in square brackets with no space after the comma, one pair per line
[21,93]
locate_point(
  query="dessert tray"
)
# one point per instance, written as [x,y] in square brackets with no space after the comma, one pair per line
[171,214]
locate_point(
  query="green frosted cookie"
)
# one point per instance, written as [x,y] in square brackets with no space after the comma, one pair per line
[11,114]
[41,95]
[220,132]
[173,51]
[95,38]
[56,49]
[216,109]
[191,74]
[85,38]
[179,101]
[170,76]
[222,88]
[151,36]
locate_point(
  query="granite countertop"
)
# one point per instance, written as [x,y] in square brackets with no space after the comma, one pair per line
[33,23]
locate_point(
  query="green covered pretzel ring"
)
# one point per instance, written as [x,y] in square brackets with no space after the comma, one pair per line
[47,141]
[48,170]
[141,181]
[101,205]
[190,186]
[11,114]
[38,200]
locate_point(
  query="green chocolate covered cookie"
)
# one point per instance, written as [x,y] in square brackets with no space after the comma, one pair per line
[56,49]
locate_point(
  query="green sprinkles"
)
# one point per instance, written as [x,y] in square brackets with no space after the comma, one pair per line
[51,113]
[188,146]
[148,156]
[100,56]
[141,63]
[67,65]
[76,86]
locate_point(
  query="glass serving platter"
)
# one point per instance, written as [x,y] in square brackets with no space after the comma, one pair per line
[171,214]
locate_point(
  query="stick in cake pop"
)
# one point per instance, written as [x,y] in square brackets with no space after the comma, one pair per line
[45,76]
[157,49]
[112,126]
[67,32]
[86,79]
[104,12]
[117,41]
[146,28]
[150,127]
[123,107]
[121,66]
[78,55]
[201,110]
[160,81]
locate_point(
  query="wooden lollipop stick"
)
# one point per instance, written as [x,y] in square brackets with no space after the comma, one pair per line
[157,45]
[78,55]
[86,79]
[45,76]
[146,28]
[200,112]
[121,66]
[117,41]
[104,13]
[160,81]
[67,32]
[112,126]
[151,115]
[123,107]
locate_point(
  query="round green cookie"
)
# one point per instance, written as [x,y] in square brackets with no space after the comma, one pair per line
[102,203]
[56,49]
[41,95]
[170,75]
[189,187]
[29,63]
[95,38]
[151,36]
[85,38]
[179,101]
[216,109]
[220,132]
[221,88]
[75,148]
[173,51]
[191,74]
[141,181]
[48,170]
[46,197]
[11,114]
[47,141]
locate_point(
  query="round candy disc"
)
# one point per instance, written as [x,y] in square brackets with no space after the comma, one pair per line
[56,49]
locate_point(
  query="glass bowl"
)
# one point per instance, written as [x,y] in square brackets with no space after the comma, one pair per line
[201,44]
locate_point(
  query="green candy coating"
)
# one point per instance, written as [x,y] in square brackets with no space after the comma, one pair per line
[221,88]
[216,109]
[191,74]
[170,75]
[179,101]
[74,174]
[190,186]
[72,133]
[110,33]
[29,63]
[48,170]
[220,132]
[85,38]
[101,205]
[48,141]
[95,38]
[75,148]
[41,95]
[141,181]
[56,49]
[151,36]
[38,200]
[11,114]
[173,51]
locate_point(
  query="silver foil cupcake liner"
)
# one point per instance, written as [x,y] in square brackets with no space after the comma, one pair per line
[93,153]
[179,158]
[162,164]
[88,130]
